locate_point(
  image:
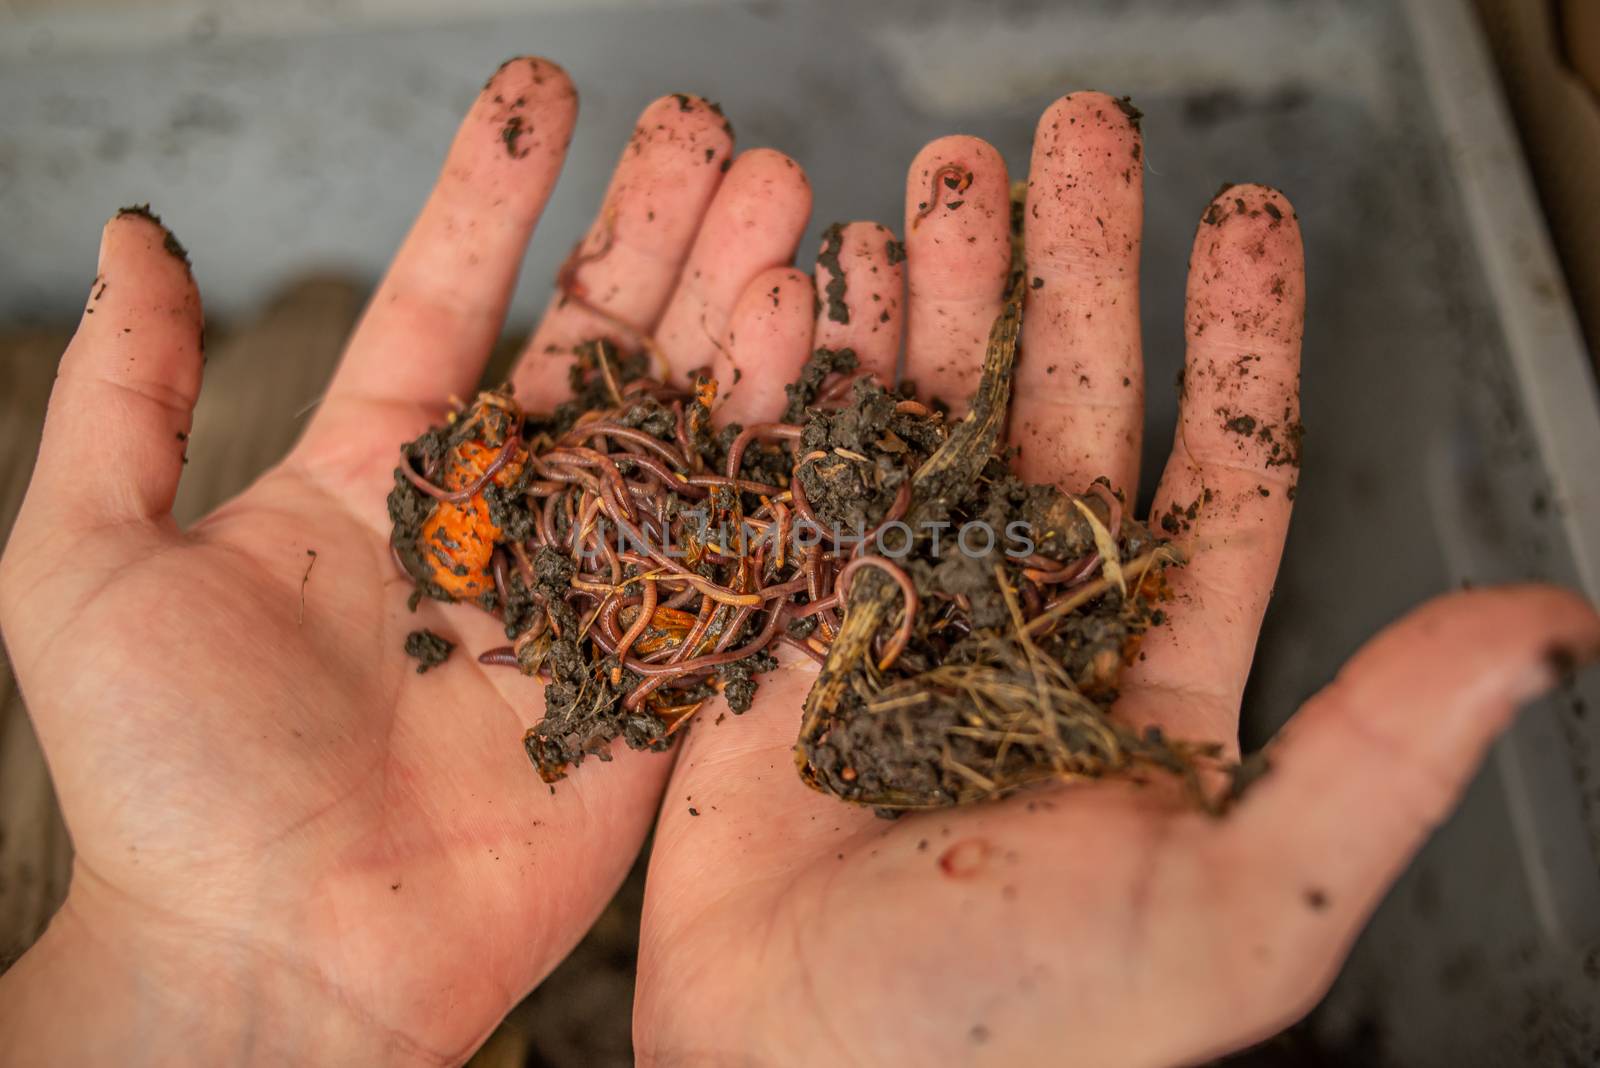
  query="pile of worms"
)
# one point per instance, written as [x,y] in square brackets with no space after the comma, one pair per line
[639,561]
[643,560]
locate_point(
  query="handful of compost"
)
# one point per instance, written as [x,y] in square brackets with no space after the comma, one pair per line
[971,628]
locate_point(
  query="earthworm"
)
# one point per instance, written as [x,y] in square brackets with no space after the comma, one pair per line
[613,499]
[783,431]
[907,587]
[897,511]
[702,624]
[400,565]
[497,565]
[1049,573]
[667,477]
[634,435]
[797,492]
[963,179]
[577,293]
[741,615]
[466,493]
[837,392]
[696,665]
[1113,505]
[803,647]
[810,608]
[647,609]
[680,430]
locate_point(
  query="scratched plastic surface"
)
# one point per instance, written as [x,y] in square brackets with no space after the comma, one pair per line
[279,145]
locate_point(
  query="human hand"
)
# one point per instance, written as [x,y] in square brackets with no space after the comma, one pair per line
[1101,923]
[290,845]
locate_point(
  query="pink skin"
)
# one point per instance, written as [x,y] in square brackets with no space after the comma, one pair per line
[874,294]
[768,341]
[754,223]
[1245,306]
[292,848]
[663,186]
[1080,384]
[957,258]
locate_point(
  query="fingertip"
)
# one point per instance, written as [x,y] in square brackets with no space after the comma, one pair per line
[686,116]
[1250,200]
[1113,113]
[1244,317]
[144,289]
[768,340]
[534,76]
[1080,405]
[530,107]
[1545,633]
[765,193]
[674,163]
[1085,212]
[1249,262]
[951,173]
[773,167]
[619,279]
[772,303]
[1093,130]
[860,289]
[1374,762]
[136,230]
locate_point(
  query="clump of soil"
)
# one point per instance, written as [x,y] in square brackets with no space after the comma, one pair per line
[428,649]
[962,671]
[971,628]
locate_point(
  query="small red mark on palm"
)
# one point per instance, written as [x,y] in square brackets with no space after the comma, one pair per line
[965,858]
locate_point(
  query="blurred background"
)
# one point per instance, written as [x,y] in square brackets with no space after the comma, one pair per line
[1443,156]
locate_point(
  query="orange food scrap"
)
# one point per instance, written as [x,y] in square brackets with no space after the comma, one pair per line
[458,538]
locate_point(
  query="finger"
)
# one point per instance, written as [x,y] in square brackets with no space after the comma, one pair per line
[861,294]
[1369,766]
[1226,492]
[754,222]
[1079,409]
[768,341]
[431,324]
[958,247]
[617,282]
[120,410]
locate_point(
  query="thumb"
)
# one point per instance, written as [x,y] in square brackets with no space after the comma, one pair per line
[120,409]
[1369,766]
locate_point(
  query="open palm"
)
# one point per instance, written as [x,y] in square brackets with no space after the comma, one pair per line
[255,778]
[1096,923]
